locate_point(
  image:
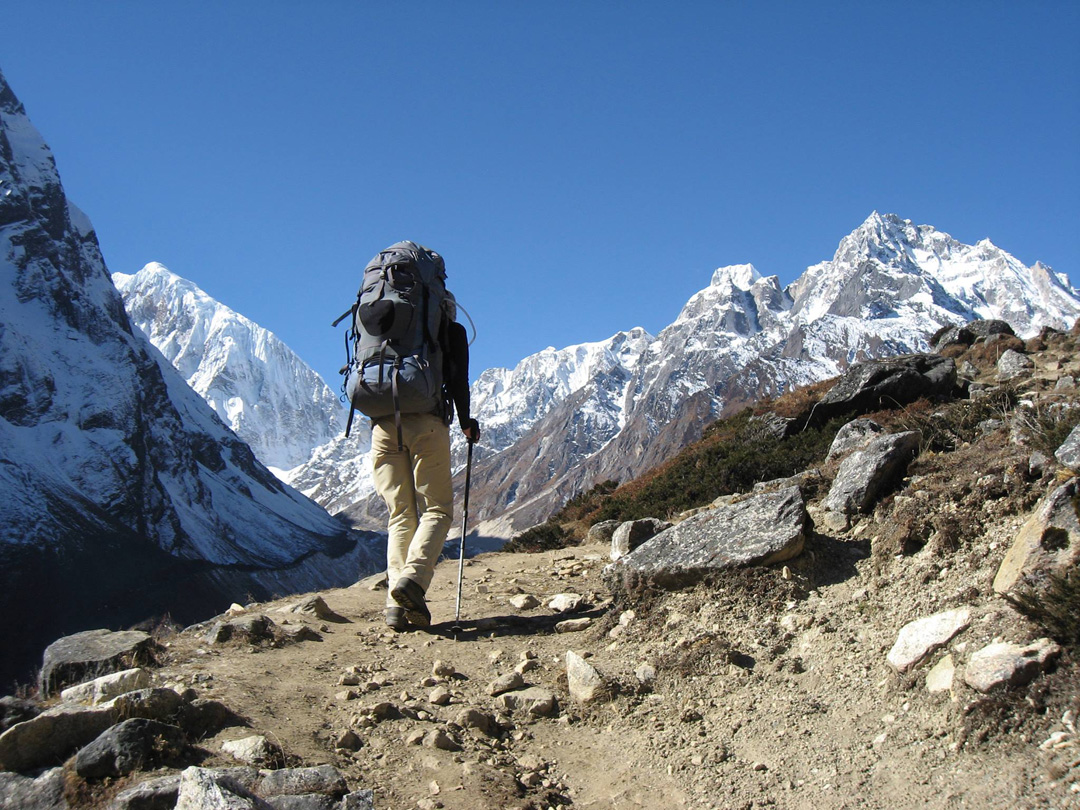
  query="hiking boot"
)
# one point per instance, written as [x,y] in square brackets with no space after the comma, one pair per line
[395,618]
[411,597]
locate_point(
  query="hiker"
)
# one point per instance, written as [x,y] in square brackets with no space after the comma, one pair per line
[409,375]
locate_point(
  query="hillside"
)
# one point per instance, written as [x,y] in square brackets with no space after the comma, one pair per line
[764,686]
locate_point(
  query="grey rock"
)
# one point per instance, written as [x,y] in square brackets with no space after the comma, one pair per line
[294,634]
[1068,454]
[376,582]
[438,738]
[324,779]
[866,474]
[565,602]
[133,745]
[107,687]
[574,625]
[631,534]
[308,801]
[253,750]
[315,605]
[1004,664]
[75,658]
[154,794]
[358,800]
[204,718]
[760,530]
[1048,543]
[535,700]
[601,532]
[506,683]
[896,381]
[42,792]
[482,721]
[524,601]
[968,333]
[52,735]
[1013,364]
[204,789]
[918,639]
[855,435]
[585,683]
[772,424]
[646,675]
[1065,383]
[15,710]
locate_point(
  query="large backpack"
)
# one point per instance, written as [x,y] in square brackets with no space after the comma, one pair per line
[394,353]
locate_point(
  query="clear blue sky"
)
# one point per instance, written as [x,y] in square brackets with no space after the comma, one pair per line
[583,166]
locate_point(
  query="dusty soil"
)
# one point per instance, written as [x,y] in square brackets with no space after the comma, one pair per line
[771,685]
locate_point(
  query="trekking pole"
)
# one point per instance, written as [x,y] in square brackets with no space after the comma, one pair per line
[461,550]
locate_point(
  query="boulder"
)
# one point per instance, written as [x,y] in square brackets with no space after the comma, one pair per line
[203,789]
[42,792]
[73,659]
[760,530]
[1013,364]
[967,334]
[855,435]
[1048,543]
[154,794]
[316,606]
[107,687]
[601,532]
[585,683]
[866,474]
[51,736]
[253,628]
[917,639]
[133,745]
[1004,664]
[524,601]
[887,383]
[631,534]
[1068,455]
[324,779]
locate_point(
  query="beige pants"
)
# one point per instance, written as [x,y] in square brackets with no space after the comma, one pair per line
[415,484]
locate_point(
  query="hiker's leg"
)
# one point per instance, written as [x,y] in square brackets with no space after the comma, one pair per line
[430,450]
[392,475]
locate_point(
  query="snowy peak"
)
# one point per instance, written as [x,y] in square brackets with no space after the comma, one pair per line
[740,276]
[252,380]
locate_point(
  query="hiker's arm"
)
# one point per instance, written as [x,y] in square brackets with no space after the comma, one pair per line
[459,380]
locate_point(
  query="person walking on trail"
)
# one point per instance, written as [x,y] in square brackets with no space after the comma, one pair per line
[410,374]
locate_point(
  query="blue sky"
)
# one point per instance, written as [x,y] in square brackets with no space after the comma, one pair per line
[583,166]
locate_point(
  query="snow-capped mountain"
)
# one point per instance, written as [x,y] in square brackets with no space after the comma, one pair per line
[257,385]
[123,494]
[889,286]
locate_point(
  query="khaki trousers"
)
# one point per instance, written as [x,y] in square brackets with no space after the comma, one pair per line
[415,484]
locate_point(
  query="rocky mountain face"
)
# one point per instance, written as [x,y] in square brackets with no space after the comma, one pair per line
[123,494]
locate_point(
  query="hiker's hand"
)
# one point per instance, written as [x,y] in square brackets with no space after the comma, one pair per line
[471,429]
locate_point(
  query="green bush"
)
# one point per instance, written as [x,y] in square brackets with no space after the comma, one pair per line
[545,537]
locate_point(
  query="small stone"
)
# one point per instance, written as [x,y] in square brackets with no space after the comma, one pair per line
[348,740]
[440,696]
[534,700]
[506,683]
[920,638]
[443,669]
[524,601]
[347,694]
[940,678]
[438,738]
[585,683]
[573,625]
[1001,664]
[565,602]
[415,737]
[646,674]
[254,750]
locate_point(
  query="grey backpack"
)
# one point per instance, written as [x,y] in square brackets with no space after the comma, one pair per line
[394,354]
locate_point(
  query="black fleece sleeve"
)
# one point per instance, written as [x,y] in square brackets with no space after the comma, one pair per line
[457,376]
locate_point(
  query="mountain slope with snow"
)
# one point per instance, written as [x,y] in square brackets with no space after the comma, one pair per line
[889,286]
[108,457]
